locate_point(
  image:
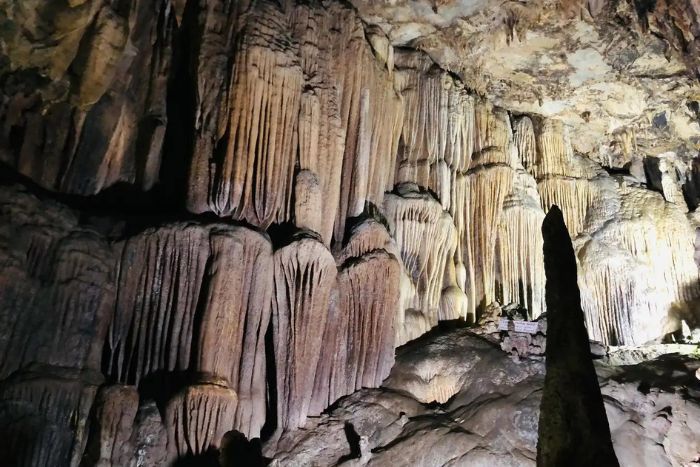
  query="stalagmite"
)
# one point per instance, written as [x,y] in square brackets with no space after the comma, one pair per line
[303,278]
[308,202]
[573,427]
[114,413]
[149,436]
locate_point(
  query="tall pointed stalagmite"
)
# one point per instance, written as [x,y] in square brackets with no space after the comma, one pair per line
[573,427]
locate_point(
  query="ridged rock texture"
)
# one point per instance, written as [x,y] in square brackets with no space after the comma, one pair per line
[219,217]
[85,92]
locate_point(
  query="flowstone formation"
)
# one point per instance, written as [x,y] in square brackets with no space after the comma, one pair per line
[218,218]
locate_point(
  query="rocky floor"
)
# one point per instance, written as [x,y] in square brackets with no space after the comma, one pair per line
[456,398]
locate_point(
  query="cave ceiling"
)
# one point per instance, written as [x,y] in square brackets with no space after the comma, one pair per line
[618,74]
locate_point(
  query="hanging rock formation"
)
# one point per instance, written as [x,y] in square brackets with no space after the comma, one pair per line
[304,275]
[84,92]
[359,336]
[218,218]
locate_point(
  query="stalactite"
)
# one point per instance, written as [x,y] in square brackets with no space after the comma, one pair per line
[425,236]
[236,311]
[43,415]
[159,284]
[369,292]
[563,178]
[636,268]
[113,417]
[254,179]
[197,418]
[359,335]
[438,127]
[525,141]
[520,246]
[303,278]
[372,114]
[489,180]
[294,90]
[109,126]
[58,294]
[321,134]
[183,290]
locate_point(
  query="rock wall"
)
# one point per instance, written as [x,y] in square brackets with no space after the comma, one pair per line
[295,198]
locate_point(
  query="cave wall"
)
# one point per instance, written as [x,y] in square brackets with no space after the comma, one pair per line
[294,199]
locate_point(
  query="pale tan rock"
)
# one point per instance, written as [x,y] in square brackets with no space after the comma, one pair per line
[426,239]
[308,209]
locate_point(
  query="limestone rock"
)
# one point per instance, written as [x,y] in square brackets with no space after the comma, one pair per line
[84,94]
[197,418]
[303,278]
[493,417]
[573,426]
[57,285]
[114,413]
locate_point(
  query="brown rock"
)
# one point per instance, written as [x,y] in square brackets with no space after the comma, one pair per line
[44,414]
[57,291]
[159,283]
[197,418]
[93,113]
[304,275]
[111,427]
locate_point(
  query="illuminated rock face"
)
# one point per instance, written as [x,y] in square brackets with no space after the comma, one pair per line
[222,215]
